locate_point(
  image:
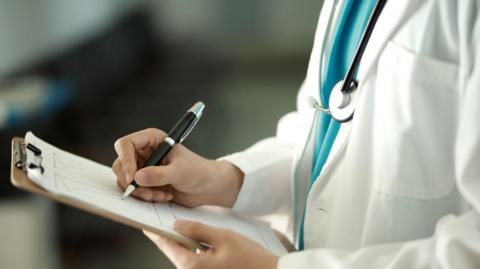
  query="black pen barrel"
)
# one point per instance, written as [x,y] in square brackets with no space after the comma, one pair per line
[176,134]
[159,154]
[182,126]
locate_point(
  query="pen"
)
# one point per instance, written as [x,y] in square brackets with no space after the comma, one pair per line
[176,136]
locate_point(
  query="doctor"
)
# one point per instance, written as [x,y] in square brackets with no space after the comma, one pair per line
[394,185]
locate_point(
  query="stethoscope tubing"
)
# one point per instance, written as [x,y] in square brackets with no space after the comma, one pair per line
[372,21]
[342,101]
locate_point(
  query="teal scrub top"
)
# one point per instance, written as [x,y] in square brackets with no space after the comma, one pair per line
[353,20]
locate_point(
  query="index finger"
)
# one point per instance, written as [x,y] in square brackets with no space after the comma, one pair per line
[127,146]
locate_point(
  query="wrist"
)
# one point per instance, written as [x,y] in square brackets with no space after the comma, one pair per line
[228,179]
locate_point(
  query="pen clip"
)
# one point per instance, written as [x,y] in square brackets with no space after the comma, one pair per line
[190,128]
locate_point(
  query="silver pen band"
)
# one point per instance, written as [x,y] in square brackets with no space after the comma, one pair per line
[169,140]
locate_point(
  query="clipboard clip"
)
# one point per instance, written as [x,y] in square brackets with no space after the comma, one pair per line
[20,157]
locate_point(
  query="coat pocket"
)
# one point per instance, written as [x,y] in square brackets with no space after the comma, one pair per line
[416,109]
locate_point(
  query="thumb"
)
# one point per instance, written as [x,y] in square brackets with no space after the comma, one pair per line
[199,231]
[155,176]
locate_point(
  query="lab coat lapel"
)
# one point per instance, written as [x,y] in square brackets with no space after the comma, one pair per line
[303,157]
[393,16]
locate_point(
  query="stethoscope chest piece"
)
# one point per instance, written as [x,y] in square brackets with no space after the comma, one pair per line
[342,100]
[342,103]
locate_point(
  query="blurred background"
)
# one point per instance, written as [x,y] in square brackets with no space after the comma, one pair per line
[80,74]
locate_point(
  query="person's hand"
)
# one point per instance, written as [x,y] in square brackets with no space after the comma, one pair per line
[183,177]
[228,249]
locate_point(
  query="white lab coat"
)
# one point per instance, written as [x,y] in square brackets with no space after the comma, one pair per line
[401,186]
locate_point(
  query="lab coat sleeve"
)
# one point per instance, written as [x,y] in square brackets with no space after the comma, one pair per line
[456,241]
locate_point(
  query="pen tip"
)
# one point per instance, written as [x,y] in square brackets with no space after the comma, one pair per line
[128,191]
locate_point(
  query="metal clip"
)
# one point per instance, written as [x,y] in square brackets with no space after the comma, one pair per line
[195,121]
[34,149]
[20,156]
[37,164]
[197,110]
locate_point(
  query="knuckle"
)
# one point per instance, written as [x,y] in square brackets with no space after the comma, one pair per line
[155,131]
[121,183]
[192,228]
[118,173]
[184,227]
[151,130]
[116,165]
[119,143]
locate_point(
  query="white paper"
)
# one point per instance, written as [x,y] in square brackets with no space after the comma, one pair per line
[95,184]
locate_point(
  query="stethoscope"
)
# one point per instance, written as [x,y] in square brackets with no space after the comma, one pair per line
[342,102]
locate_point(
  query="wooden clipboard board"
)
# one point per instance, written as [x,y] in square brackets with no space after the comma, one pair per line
[19,179]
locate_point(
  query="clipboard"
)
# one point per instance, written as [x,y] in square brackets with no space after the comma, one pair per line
[19,178]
